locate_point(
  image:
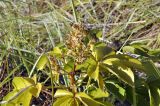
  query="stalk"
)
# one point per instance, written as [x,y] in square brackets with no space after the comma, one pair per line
[72,80]
[52,85]
[134,97]
[74,11]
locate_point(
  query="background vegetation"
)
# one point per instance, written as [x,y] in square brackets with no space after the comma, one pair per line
[30,28]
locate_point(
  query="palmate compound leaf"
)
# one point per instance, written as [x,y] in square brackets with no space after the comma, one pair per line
[117,68]
[118,64]
[66,98]
[22,93]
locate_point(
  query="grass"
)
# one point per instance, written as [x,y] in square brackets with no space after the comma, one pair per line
[29,28]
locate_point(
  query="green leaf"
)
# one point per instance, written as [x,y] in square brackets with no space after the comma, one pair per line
[35,91]
[116,90]
[136,49]
[74,102]
[93,72]
[67,102]
[22,93]
[111,61]
[42,62]
[121,64]
[98,93]
[61,93]
[56,52]
[8,98]
[155,83]
[99,34]
[69,67]
[129,49]
[126,60]
[93,69]
[61,101]
[154,96]
[123,72]
[34,78]
[101,51]
[65,98]
[154,52]
[142,100]
[130,62]
[18,97]
[19,82]
[84,65]
[107,103]
[87,99]
[90,61]
[129,94]
[153,73]
[100,82]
